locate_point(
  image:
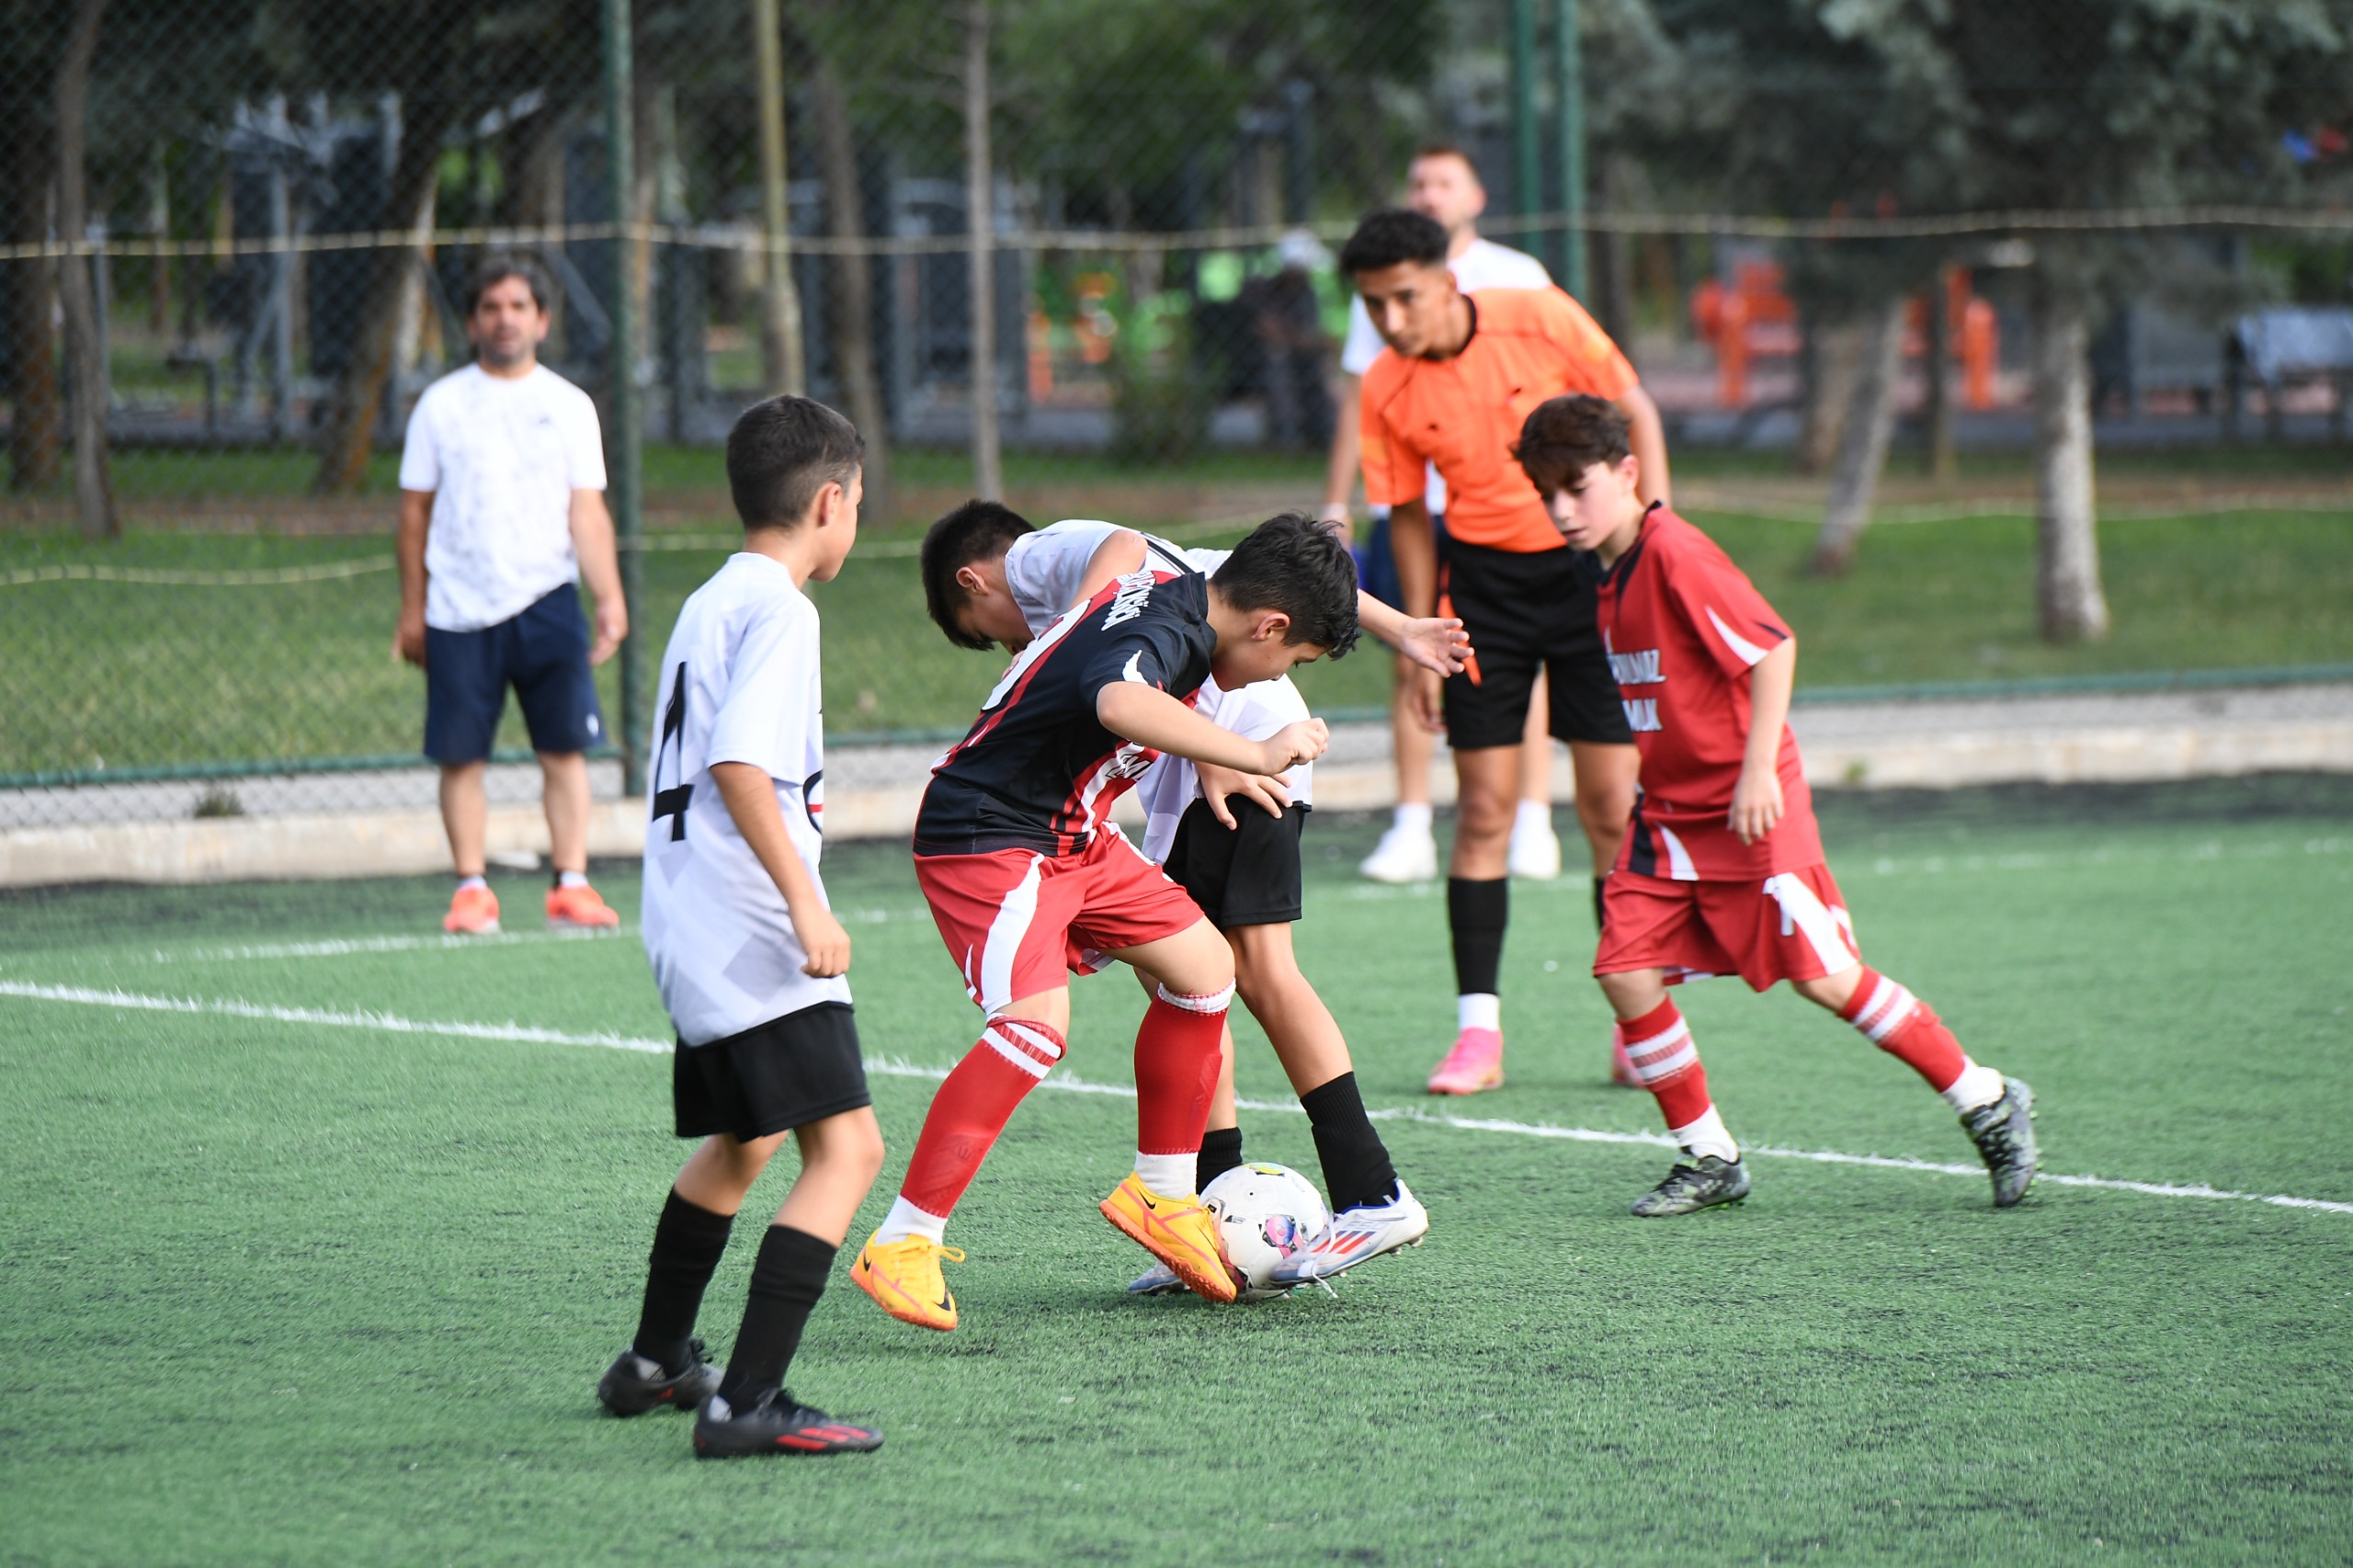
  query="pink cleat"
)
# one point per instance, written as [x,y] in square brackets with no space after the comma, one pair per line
[1476,1062]
[1621,1066]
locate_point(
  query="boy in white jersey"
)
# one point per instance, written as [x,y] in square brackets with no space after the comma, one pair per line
[990,578]
[748,957]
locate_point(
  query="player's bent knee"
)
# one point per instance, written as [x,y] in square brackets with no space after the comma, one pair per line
[1635,992]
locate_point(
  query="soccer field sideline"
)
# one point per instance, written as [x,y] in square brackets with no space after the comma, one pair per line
[1069,1084]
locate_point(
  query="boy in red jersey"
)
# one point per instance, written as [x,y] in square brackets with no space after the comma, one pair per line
[1722,870]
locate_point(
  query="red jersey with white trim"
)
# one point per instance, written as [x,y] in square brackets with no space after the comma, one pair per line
[1683,627]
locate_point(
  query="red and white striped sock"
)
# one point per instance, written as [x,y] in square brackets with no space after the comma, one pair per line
[970,1108]
[1899,1023]
[1176,1065]
[1659,1045]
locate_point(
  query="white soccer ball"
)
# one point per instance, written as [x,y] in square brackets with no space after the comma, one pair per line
[1264,1214]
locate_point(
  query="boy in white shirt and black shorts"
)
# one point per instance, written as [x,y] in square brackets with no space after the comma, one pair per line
[749,959]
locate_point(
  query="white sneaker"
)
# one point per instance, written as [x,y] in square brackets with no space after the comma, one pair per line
[1535,849]
[1403,855]
[1356,1235]
[1158,1280]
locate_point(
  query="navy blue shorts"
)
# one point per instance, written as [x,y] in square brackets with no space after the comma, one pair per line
[542,654]
[1377,563]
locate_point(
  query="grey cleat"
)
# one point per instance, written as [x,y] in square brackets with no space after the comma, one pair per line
[1158,1280]
[1695,1184]
[2004,1134]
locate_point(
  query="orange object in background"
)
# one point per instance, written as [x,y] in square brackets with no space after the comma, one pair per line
[1755,319]
[1095,325]
[1039,341]
[1980,350]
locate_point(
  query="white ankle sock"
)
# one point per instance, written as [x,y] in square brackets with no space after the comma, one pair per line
[1977,1085]
[1707,1136]
[475,881]
[1532,814]
[1411,815]
[906,1219]
[1479,1010]
[572,878]
[1171,1176]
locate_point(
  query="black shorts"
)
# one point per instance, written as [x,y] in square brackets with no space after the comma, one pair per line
[1245,875]
[542,654]
[1523,612]
[787,1072]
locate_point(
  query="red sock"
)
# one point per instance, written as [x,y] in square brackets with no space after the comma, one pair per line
[1902,1025]
[1176,1065]
[972,1107]
[1659,1045]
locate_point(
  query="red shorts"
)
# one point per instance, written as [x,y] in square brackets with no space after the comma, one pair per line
[1015,920]
[1790,926]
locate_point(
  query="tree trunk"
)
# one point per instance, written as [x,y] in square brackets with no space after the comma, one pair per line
[1862,445]
[2066,578]
[1832,360]
[36,434]
[988,477]
[86,351]
[781,352]
[849,295]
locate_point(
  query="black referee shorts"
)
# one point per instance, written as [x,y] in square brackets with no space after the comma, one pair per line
[773,1077]
[1245,875]
[1525,612]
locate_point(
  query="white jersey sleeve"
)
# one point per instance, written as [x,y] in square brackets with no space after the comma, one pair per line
[1044,570]
[420,448]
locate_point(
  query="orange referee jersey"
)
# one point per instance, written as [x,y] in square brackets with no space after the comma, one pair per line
[1462,415]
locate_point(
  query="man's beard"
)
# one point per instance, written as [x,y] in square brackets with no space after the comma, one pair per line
[504,360]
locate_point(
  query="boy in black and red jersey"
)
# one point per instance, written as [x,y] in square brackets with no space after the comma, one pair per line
[1722,870]
[1028,879]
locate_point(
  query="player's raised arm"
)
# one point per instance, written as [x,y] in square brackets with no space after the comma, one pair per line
[1121,555]
[1437,643]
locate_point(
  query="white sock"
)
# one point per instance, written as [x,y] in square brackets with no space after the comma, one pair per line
[1707,1136]
[572,878]
[1479,1010]
[906,1220]
[1411,816]
[475,881]
[1171,1176]
[1977,1085]
[1531,816]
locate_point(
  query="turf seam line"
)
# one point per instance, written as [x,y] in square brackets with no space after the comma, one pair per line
[892,1068]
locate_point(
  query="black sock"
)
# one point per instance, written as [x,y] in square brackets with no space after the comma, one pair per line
[1221,1151]
[687,1245]
[1476,913]
[1600,915]
[787,1280]
[1355,1163]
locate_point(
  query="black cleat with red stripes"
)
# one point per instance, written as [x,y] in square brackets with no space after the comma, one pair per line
[776,1425]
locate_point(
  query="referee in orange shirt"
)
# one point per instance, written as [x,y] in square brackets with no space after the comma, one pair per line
[1461,373]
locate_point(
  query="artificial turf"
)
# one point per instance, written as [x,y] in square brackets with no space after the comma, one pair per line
[278,1291]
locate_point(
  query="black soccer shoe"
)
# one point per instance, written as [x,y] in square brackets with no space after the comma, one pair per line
[2004,1134]
[634,1385]
[776,1425]
[1694,1185]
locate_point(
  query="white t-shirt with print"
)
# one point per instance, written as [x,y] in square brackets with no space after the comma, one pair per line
[1043,571]
[1484,265]
[502,458]
[740,683]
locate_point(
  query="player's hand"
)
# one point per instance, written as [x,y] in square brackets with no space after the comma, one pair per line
[408,638]
[612,625]
[1220,784]
[1756,804]
[1429,692]
[1435,643]
[1292,745]
[822,938]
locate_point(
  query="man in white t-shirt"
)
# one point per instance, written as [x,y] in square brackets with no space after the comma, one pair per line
[1441,184]
[502,513]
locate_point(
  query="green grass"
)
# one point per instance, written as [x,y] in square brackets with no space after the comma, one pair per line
[118,675]
[281,1292]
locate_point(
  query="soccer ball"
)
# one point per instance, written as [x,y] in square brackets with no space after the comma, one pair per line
[1264,1214]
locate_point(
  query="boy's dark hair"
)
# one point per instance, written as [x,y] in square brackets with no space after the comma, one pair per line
[1299,566]
[1392,235]
[973,532]
[1563,437]
[781,452]
[498,267]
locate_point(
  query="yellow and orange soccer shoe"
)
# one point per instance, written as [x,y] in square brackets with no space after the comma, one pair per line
[1178,1231]
[472,913]
[903,1278]
[580,909]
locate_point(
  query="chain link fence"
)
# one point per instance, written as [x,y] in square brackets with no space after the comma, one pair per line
[1077,252]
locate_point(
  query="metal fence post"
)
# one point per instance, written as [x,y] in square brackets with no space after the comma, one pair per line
[626,443]
[1568,94]
[1526,165]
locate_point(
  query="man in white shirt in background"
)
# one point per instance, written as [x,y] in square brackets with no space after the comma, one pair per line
[502,513]
[1441,184]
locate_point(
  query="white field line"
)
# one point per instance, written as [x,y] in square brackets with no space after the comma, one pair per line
[346,946]
[891,1068]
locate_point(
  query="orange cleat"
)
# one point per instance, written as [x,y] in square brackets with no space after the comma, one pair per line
[472,913]
[579,909]
[1178,1231]
[903,1278]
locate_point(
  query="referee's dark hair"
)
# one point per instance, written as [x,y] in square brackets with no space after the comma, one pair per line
[781,452]
[973,532]
[499,265]
[1297,565]
[1563,437]
[1392,237]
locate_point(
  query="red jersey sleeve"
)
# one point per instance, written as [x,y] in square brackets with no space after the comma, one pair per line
[1596,366]
[1730,618]
[1393,471]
